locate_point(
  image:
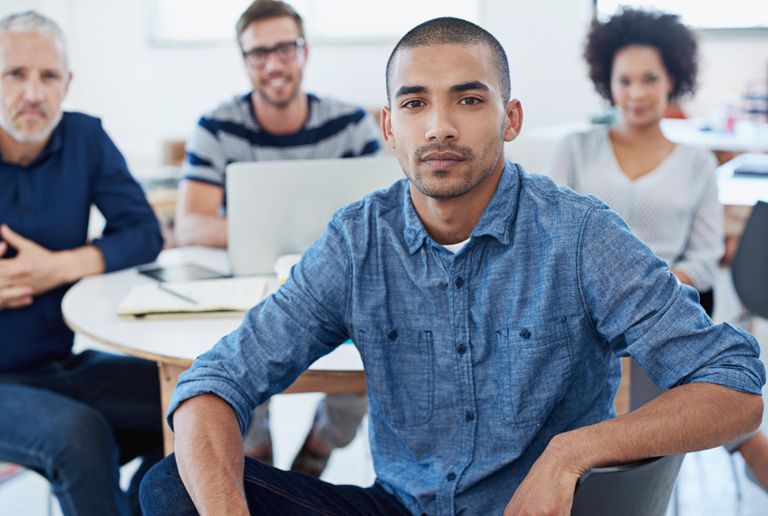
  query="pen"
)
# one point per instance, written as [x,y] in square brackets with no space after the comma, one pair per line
[165,288]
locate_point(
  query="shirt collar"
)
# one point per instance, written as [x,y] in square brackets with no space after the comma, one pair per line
[496,220]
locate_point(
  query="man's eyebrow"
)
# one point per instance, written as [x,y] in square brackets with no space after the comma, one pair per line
[467,86]
[409,90]
[11,69]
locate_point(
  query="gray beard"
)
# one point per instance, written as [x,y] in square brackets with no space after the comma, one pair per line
[37,137]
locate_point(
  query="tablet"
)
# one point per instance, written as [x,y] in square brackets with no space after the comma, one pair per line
[751,169]
[183,272]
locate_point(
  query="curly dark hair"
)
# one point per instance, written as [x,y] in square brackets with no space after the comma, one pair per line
[674,41]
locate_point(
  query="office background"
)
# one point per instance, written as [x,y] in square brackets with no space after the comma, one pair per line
[147,92]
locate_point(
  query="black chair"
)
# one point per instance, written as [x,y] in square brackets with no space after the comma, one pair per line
[641,488]
[749,269]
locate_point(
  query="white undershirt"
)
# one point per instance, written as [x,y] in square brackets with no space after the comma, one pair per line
[455,248]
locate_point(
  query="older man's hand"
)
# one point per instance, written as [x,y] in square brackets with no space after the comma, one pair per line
[33,271]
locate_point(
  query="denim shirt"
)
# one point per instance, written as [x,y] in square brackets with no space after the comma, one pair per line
[474,361]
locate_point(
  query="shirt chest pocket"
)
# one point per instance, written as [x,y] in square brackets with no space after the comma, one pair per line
[400,371]
[536,369]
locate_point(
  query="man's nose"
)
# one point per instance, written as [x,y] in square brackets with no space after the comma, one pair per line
[273,62]
[33,90]
[441,127]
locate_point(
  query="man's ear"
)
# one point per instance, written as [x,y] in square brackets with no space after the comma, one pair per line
[513,120]
[66,85]
[386,127]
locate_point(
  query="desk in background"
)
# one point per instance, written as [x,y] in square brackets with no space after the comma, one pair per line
[746,137]
[739,194]
[90,309]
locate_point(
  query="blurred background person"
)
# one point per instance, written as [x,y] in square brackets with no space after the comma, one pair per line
[640,61]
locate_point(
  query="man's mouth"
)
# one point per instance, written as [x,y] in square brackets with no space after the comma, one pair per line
[277,82]
[442,160]
[31,112]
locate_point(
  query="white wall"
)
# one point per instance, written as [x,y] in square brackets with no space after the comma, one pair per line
[729,62]
[146,93]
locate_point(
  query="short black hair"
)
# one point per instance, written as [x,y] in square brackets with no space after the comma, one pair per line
[446,31]
[265,10]
[674,41]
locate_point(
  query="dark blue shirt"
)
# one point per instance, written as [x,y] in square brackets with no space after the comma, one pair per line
[49,202]
[475,360]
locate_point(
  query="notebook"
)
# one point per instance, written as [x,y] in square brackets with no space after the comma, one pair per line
[213,297]
[281,207]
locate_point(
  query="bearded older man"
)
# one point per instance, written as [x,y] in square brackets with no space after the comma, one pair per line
[74,418]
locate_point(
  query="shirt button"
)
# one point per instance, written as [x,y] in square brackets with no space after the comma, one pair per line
[461,349]
[459,281]
[469,416]
[525,333]
[392,335]
[451,476]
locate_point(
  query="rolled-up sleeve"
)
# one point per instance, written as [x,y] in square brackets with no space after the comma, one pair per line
[641,310]
[280,337]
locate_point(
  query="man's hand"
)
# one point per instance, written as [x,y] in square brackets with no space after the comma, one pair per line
[12,295]
[548,488]
[34,267]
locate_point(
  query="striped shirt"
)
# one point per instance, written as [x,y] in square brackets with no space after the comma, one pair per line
[674,208]
[230,133]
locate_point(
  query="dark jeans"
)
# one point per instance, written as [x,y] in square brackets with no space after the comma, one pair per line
[707,301]
[269,490]
[75,421]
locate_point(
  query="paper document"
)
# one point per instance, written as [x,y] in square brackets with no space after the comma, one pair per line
[188,298]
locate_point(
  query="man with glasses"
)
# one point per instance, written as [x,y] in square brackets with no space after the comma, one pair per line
[275,121]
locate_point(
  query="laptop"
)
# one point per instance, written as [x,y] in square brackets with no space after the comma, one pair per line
[282,207]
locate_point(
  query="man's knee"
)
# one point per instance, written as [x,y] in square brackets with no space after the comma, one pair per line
[163,492]
[79,438]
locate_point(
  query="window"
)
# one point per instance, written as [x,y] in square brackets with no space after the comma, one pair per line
[326,21]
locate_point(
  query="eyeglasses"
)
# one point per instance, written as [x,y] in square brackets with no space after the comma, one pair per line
[285,52]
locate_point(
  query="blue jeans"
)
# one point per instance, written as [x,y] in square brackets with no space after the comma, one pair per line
[269,490]
[75,421]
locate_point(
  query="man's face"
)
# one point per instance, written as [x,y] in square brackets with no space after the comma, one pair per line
[34,79]
[447,121]
[276,78]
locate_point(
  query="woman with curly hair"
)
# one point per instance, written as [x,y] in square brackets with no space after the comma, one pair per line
[640,61]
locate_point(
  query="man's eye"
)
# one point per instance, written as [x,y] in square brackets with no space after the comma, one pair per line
[50,76]
[413,104]
[470,101]
[16,73]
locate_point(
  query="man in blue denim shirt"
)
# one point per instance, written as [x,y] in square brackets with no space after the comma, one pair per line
[490,309]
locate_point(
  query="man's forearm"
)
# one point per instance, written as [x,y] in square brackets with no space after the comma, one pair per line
[687,418]
[75,264]
[201,229]
[209,455]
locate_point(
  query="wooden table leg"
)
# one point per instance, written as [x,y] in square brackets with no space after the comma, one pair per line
[169,377]
[621,403]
